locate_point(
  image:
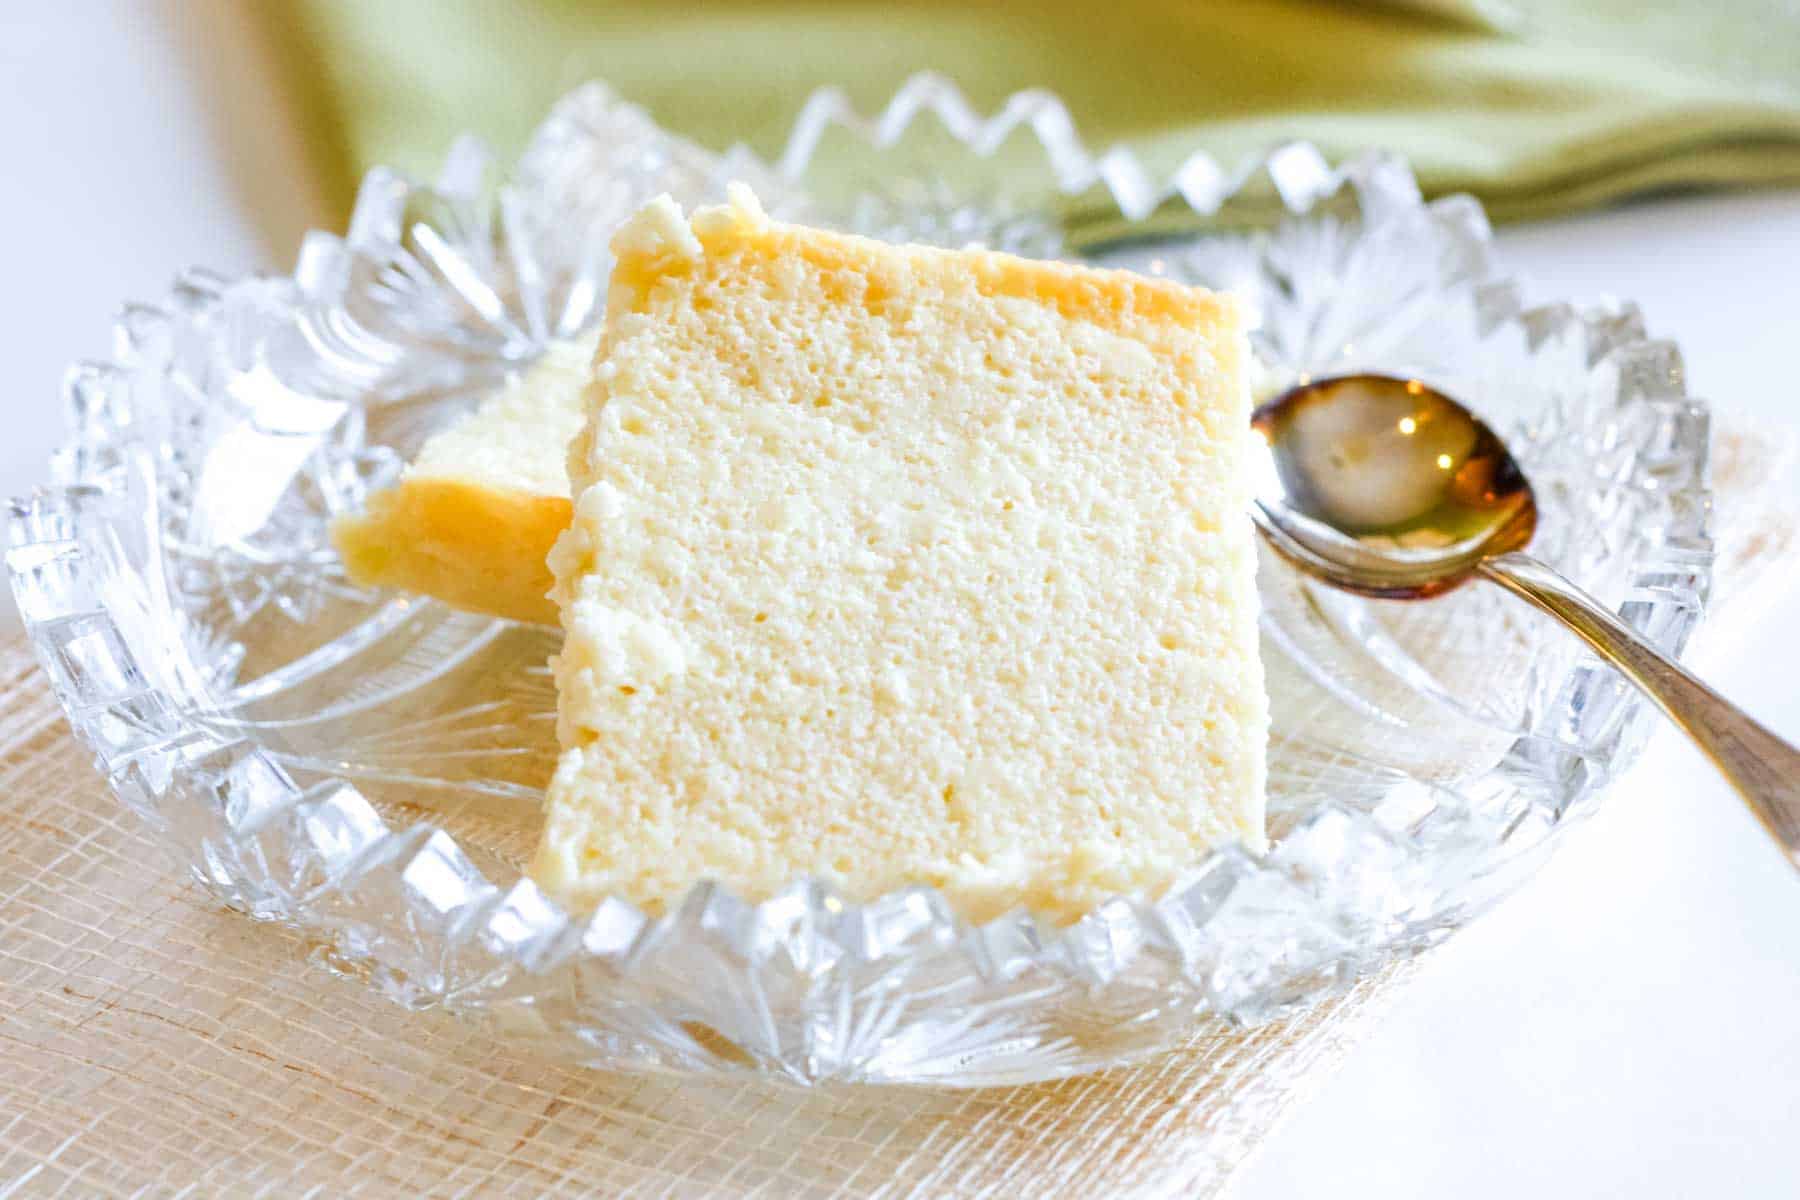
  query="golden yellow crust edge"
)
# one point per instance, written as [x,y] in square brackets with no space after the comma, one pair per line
[476,547]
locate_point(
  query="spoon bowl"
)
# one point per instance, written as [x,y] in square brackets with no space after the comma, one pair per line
[1385,486]
[1388,488]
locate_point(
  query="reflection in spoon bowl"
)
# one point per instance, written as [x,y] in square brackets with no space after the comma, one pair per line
[1393,464]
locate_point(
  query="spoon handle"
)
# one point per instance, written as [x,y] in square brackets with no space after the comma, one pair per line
[1764,769]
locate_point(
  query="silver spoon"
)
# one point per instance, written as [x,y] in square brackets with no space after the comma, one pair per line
[1386,487]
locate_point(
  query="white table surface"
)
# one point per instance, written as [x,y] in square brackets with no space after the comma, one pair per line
[1627,1025]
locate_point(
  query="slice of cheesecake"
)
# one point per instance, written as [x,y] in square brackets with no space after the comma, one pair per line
[895,565]
[473,518]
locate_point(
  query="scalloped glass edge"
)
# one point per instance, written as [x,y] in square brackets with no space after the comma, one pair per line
[803,985]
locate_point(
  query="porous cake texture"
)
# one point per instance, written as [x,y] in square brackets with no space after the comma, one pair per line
[897,565]
[473,518]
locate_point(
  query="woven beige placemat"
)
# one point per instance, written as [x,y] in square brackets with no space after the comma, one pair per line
[152,1043]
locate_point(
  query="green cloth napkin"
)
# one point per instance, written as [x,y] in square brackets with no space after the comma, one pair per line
[1536,106]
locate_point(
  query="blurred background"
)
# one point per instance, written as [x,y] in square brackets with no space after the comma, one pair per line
[1626,1026]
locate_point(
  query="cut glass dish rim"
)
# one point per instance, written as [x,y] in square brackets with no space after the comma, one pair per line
[409,907]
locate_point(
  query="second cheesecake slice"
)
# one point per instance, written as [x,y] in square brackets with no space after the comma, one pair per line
[896,565]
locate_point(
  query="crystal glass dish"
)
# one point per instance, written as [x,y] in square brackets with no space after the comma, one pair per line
[367,768]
